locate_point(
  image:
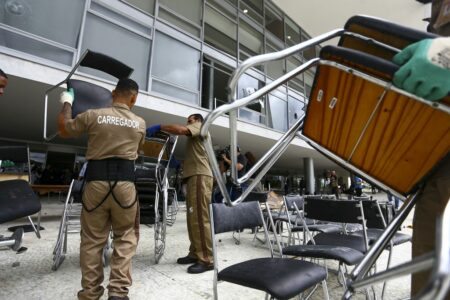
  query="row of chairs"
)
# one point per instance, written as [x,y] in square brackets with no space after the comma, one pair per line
[325,224]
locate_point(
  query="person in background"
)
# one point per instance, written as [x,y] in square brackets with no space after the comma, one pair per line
[425,71]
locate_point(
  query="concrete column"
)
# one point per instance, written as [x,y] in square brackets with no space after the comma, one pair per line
[309,175]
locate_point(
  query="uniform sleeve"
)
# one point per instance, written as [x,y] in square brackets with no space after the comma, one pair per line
[142,128]
[194,129]
[79,125]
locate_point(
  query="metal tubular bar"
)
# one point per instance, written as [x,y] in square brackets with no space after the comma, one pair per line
[257,60]
[347,165]
[7,243]
[421,263]
[243,102]
[374,252]
[276,154]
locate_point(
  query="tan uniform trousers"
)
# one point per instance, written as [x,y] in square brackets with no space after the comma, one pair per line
[95,228]
[199,188]
[430,205]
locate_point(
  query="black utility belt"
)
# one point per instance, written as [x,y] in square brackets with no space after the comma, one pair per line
[110,169]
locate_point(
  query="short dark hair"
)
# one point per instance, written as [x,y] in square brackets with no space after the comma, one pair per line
[127,85]
[197,117]
[2,74]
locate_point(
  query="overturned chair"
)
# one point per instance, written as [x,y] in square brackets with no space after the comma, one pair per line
[393,139]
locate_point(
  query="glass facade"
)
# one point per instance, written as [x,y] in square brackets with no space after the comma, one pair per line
[185,50]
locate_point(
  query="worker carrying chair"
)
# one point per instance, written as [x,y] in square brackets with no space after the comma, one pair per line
[17,199]
[87,96]
[356,117]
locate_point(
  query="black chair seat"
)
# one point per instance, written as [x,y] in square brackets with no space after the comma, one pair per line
[346,255]
[341,240]
[373,234]
[328,228]
[281,278]
[17,200]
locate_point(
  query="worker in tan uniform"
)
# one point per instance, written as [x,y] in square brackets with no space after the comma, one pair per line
[109,196]
[198,175]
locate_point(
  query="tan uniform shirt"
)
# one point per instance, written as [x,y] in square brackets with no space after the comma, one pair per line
[196,161]
[112,132]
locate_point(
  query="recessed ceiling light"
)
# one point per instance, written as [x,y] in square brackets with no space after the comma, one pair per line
[289,37]
[245,11]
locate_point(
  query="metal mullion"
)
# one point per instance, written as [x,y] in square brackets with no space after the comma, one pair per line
[76,58]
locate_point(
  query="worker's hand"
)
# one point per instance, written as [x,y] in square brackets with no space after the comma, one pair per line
[152,130]
[425,68]
[67,96]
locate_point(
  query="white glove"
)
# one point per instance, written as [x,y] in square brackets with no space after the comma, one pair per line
[67,96]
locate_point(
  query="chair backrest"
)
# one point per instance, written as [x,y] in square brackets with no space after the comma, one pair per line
[291,201]
[377,215]
[105,63]
[15,162]
[233,218]
[388,33]
[340,211]
[88,96]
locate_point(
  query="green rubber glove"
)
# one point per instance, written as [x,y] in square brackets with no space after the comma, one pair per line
[425,68]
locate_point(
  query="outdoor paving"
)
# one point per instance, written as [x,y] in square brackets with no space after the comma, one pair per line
[29,275]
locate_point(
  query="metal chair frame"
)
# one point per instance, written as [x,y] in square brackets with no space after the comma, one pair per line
[166,216]
[358,276]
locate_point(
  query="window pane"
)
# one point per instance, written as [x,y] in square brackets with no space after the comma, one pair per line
[22,43]
[309,79]
[175,62]
[173,91]
[191,10]
[133,50]
[214,84]
[58,21]
[275,68]
[296,82]
[145,5]
[295,107]
[274,24]
[292,33]
[251,41]
[278,113]
[253,9]
[254,112]
[180,23]
[310,52]
[220,32]
[224,7]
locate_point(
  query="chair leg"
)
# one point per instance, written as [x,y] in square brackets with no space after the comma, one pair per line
[325,290]
[387,267]
[36,230]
